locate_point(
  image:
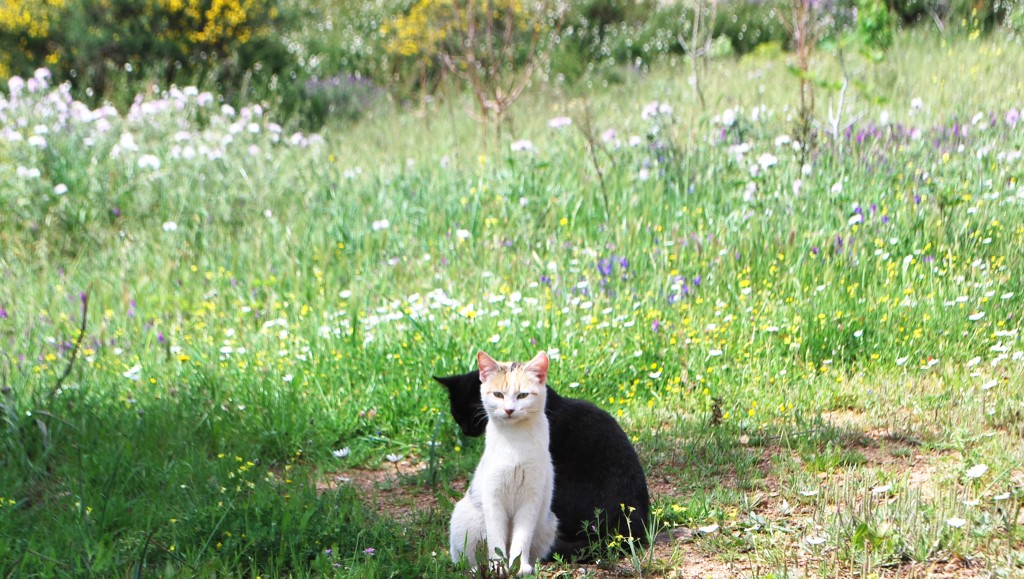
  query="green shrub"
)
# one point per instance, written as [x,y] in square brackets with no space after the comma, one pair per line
[911,11]
[346,98]
[1015,20]
[622,32]
[956,13]
[981,15]
[344,37]
[748,24]
[874,29]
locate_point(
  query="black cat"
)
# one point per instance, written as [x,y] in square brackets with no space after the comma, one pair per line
[596,467]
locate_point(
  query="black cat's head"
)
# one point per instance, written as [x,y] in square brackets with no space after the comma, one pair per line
[464,396]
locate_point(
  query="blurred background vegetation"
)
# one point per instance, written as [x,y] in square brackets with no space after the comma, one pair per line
[318,59]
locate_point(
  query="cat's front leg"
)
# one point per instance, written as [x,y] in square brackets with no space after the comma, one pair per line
[523,527]
[497,523]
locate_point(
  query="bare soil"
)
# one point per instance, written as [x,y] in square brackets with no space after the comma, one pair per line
[684,553]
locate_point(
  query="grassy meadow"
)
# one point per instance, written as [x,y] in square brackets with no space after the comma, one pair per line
[218,333]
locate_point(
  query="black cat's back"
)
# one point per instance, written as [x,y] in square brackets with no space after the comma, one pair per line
[596,467]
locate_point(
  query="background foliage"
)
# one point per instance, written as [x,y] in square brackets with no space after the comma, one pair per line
[323,59]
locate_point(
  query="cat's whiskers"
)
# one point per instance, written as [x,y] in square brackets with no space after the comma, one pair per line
[481,417]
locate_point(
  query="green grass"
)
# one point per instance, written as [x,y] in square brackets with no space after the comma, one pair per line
[820,402]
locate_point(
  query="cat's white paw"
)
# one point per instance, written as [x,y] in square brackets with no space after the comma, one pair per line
[525,569]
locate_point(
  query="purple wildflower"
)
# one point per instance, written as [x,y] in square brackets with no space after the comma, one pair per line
[604,267]
[160,337]
[3,313]
[655,325]
[131,308]
[815,250]
[917,199]
[1012,116]
[696,281]
[370,551]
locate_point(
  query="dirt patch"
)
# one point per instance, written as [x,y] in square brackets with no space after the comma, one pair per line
[895,451]
[956,567]
[660,486]
[395,490]
[398,490]
[677,555]
[686,559]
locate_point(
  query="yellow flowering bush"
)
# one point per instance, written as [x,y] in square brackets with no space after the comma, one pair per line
[86,40]
[436,28]
[31,17]
[30,21]
[413,34]
[494,45]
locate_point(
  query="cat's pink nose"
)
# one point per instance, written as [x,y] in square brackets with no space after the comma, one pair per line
[509,411]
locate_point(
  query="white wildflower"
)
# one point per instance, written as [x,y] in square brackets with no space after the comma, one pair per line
[976,471]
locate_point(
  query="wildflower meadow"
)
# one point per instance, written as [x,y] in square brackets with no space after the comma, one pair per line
[218,327]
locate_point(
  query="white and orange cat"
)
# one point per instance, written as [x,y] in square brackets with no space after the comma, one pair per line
[508,505]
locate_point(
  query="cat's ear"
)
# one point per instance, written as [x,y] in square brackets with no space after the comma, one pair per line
[488,366]
[459,382]
[448,382]
[538,366]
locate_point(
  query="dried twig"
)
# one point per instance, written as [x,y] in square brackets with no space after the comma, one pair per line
[699,47]
[803,27]
[585,124]
[78,343]
[4,369]
[484,55]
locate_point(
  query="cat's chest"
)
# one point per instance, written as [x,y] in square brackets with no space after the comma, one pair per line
[515,461]
[510,482]
[507,459]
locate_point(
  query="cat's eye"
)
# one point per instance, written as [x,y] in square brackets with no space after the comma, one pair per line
[522,395]
[499,395]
